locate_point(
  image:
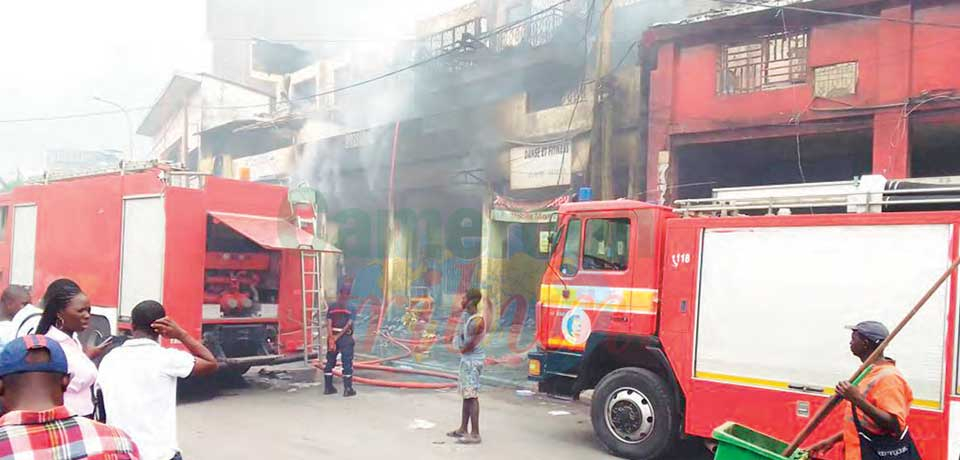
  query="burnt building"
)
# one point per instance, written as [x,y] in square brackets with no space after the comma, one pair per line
[803,91]
[497,130]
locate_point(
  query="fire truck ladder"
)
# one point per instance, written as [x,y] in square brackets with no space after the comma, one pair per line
[314,305]
[868,194]
[122,167]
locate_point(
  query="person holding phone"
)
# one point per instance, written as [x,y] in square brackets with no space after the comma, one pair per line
[66,313]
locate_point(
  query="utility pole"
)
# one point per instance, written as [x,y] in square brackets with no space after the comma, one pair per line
[603,171]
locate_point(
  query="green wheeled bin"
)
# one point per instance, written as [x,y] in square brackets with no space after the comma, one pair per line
[737,442]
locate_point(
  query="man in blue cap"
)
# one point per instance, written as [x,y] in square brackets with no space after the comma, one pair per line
[875,408]
[33,377]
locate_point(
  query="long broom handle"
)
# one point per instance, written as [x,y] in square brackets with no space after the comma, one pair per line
[835,400]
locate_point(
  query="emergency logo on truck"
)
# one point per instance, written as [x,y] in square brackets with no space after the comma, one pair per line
[576,326]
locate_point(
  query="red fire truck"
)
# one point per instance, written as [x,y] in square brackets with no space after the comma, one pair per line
[681,319]
[235,263]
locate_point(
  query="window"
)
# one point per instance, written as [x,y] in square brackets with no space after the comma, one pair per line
[550,96]
[836,80]
[571,249]
[771,62]
[607,244]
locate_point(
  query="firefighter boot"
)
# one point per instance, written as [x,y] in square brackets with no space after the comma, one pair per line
[328,388]
[348,390]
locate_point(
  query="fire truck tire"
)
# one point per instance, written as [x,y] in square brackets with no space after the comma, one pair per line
[634,414]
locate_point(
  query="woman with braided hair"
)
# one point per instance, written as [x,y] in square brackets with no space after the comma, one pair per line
[66,313]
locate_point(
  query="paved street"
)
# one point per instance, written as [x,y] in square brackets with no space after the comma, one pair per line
[276,422]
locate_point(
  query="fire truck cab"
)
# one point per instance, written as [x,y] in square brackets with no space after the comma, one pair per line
[235,263]
[681,319]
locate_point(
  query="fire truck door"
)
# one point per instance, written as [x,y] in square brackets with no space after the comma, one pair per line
[23,254]
[141,263]
[598,275]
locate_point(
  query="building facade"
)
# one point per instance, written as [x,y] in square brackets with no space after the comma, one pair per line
[192,105]
[498,132]
[447,175]
[756,95]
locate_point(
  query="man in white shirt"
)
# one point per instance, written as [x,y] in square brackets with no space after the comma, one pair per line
[24,317]
[139,381]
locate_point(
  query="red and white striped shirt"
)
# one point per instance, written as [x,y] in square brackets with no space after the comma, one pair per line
[55,434]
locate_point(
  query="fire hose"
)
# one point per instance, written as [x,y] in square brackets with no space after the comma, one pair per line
[378,365]
[403,344]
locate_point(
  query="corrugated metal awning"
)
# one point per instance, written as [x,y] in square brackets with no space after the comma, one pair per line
[273,232]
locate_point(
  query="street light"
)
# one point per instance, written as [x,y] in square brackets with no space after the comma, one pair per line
[126,114]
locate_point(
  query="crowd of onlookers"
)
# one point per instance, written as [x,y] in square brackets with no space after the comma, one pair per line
[59,403]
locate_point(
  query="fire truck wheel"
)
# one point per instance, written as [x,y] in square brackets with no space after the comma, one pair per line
[634,414]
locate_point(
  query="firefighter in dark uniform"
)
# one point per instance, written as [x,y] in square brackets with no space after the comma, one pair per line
[340,341]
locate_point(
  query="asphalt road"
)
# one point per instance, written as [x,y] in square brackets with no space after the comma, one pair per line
[272,419]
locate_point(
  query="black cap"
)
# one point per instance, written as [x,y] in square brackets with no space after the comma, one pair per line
[873,331]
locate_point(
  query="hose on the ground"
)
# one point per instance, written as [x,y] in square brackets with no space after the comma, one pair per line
[378,365]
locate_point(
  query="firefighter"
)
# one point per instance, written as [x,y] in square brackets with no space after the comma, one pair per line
[340,341]
[876,409]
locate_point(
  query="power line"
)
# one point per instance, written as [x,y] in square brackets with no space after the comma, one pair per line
[71,116]
[573,113]
[625,56]
[487,35]
[452,50]
[796,104]
[839,13]
[308,39]
[497,31]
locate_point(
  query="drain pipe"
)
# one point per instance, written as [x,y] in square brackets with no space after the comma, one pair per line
[391,230]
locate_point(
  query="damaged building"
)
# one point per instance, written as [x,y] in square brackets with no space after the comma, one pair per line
[758,95]
[496,133]
[188,121]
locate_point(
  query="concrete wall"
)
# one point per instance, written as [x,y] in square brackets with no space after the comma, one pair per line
[895,62]
[241,102]
[204,110]
[171,134]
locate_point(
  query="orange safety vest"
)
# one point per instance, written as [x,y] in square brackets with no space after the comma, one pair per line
[884,388]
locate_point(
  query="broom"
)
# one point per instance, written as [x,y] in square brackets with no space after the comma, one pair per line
[835,400]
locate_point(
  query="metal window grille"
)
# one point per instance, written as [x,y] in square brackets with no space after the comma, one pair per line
[771,62]
[835,80]
[450,38]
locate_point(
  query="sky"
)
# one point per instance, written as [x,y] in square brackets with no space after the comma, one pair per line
[60,54]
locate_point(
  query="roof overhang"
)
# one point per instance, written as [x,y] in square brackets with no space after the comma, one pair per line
[171,100]
[273,233]
[738,16]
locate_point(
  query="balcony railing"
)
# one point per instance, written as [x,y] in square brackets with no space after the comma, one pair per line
[533,33]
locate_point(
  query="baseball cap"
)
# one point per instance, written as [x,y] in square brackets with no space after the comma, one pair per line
[874,331]
[13,359]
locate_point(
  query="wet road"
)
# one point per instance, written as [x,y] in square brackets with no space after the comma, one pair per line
[263,420]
